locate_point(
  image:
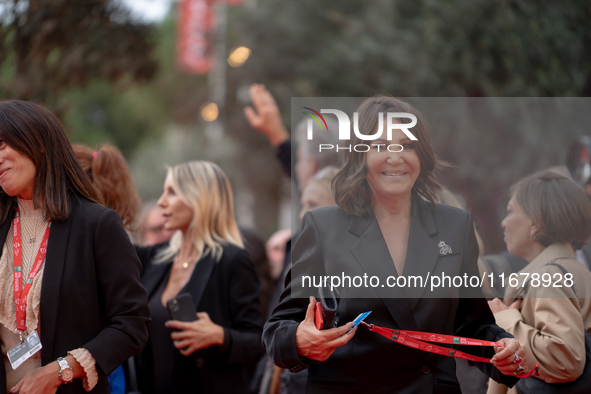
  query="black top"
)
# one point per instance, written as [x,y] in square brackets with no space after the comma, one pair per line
[163,350]
[283,154]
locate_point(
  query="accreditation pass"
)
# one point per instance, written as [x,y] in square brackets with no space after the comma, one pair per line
[21,352]
[358,320]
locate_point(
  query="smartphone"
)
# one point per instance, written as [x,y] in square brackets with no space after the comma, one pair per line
[243,96]
[182,308]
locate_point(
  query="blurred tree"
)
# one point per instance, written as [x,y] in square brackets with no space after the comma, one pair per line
[422,47]
[130,116]
[426,48]
[102,113]
[48,47]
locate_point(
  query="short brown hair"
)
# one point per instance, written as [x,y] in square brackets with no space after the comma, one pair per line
[109,172]
[34,131]
[351,189]
[558,207]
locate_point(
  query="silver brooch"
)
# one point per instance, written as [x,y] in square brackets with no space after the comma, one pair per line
[445,249]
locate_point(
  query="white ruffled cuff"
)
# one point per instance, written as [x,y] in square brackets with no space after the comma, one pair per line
[88,362]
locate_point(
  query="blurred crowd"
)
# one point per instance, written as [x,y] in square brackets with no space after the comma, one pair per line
[188,242]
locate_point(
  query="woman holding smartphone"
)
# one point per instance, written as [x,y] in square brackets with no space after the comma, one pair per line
[206,259]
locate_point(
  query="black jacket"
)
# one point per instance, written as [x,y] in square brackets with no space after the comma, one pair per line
[332,243]
[228,291]
[91,296]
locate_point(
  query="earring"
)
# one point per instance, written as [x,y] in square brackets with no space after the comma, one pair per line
[534,237]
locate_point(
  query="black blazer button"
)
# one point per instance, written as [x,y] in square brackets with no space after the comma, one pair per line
[426,369]
[200,363]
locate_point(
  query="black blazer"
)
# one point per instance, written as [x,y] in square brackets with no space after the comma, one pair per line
[228,291]
[91,296]
[332,243]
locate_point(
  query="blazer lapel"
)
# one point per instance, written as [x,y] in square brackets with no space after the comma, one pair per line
[196,285]
[371,252]
[4,228]
[200,277]
[52,278]
[422,252]
[421,256]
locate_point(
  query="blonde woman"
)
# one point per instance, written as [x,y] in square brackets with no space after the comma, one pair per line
[206,259]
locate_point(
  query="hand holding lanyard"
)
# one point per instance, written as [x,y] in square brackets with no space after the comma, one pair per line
[417,340]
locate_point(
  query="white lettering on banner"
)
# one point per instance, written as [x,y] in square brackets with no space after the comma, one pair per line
[362,148]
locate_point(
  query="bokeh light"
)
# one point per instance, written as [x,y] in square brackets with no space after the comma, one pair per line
[238,56]
[210,112]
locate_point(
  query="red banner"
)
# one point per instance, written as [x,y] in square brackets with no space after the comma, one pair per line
[196,24]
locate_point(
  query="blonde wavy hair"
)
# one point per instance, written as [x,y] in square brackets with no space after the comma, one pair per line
[204,187]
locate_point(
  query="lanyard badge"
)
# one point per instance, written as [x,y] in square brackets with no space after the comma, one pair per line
[20,293]
[30,344]
[419,340]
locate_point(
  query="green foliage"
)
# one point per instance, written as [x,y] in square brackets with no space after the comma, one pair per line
[135,115]
[48,47]
[102,114]
[429,48]
[422,47]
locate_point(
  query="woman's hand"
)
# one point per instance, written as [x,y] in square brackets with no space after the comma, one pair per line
[42,380]
[498,305]
[509,358]
[320,344]
[267,118]
[196,335]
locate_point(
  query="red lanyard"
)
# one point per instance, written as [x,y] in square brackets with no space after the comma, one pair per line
[20,294]
[415,340]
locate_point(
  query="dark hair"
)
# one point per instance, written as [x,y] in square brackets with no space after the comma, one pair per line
[351,189]
[558,207]
[34,131]
[109,173]
[255,247]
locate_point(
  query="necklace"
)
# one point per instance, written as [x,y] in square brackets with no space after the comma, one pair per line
[32,239]
[186,263]
[36,227]
[35,231]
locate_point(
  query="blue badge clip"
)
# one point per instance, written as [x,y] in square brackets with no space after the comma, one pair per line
[358,320]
